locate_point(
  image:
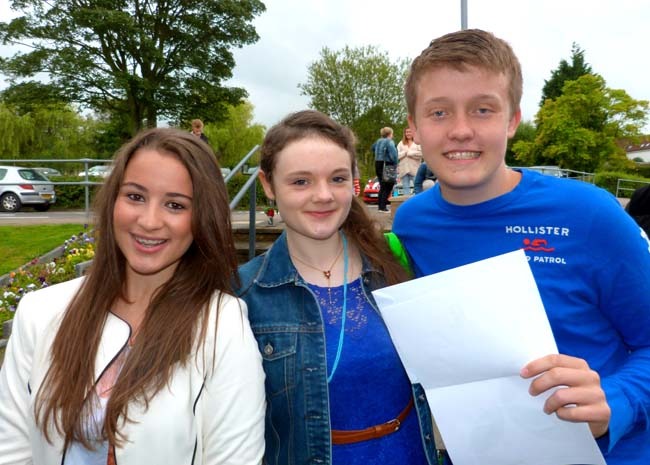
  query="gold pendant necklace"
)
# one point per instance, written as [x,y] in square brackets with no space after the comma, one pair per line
[326,273]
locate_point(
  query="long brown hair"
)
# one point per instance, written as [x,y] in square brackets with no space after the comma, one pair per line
[405,139]
[172,322]
[360,229]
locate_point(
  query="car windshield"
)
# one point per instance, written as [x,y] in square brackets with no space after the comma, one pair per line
[31,175]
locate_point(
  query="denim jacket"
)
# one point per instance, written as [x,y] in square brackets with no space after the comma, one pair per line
[385,150]
[287,323]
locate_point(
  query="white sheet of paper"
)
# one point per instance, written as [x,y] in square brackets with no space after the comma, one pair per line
[464,334]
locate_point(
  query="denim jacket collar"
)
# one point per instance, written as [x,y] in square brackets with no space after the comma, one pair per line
[278,269]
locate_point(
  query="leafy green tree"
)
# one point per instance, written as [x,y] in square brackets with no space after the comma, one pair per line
[156,58]
[525,132]
[366,129]
[565,72]
[37,121]
[111,132]
[26,96]
[580,129]
[16,130]
[47,131]
[236,135]
[349,83]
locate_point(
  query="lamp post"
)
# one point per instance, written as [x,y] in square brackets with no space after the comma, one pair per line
[463,14]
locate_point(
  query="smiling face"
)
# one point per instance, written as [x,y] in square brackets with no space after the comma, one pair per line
[312,186]
[152,217]
[463,121]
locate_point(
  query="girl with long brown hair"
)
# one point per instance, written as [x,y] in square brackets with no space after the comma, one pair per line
[337,392]
[150,357]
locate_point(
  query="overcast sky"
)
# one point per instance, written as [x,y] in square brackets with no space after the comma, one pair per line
[613,33]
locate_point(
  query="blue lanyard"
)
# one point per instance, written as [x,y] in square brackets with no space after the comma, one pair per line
[345,308]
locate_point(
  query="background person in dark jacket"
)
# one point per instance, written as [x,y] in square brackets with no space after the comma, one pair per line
[385,154]
[639,207]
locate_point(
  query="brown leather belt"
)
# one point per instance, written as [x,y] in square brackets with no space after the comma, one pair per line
[373,432]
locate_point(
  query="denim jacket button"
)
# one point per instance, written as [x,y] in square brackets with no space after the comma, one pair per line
[268,349]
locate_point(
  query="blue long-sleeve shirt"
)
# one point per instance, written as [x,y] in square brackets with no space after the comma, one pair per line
[591,262]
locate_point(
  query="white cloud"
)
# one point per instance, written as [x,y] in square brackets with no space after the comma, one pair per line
[612,33]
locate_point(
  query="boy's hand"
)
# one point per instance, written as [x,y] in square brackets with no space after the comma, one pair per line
[579,397]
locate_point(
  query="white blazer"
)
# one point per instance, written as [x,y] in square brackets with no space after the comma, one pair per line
[204,416]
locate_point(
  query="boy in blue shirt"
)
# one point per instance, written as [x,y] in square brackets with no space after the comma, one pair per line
[590,260]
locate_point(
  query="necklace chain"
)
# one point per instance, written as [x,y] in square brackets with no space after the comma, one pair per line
[327,273]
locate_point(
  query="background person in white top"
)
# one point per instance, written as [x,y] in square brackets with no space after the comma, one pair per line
[409,155]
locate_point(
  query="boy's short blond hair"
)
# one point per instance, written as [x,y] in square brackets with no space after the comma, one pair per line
[385,132]
[458,50]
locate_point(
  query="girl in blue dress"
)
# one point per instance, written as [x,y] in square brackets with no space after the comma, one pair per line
[337,392]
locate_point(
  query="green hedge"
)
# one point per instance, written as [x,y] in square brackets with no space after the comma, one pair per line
[609,180]
[72,196]
[234,186]
[642,169]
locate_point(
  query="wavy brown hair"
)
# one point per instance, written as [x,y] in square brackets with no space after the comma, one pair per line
[360,229]
[172,322]
[460,49]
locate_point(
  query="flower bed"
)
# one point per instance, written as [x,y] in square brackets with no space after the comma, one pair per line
[37,275]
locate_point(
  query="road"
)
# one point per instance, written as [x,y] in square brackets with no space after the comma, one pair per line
[28,217]
[239,218]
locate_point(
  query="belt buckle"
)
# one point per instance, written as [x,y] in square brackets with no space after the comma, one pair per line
[395,424]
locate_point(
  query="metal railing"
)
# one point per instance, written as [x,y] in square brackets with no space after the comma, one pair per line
[86,182]
[249,186]
[561,172]
[628,186]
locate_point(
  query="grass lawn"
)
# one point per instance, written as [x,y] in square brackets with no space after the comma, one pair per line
[20,244]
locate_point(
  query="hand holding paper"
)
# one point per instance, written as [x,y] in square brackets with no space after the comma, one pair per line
[465,334]
[583,399]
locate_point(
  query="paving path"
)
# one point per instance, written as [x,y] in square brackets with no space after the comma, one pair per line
[239,218]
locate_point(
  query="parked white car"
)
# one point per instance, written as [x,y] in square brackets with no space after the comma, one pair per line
[549,170]
[24,186]
[49,171]
[100,171]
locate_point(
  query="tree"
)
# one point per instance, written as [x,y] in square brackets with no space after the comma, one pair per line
[156,58]
[46,131]
[349,83]
[15,130]
[526,131]
[236,135]
[27,96]
[580,128]
[37,121]
[565,72]
[366,129]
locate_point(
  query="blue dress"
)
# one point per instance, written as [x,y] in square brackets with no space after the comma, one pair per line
[370,385]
